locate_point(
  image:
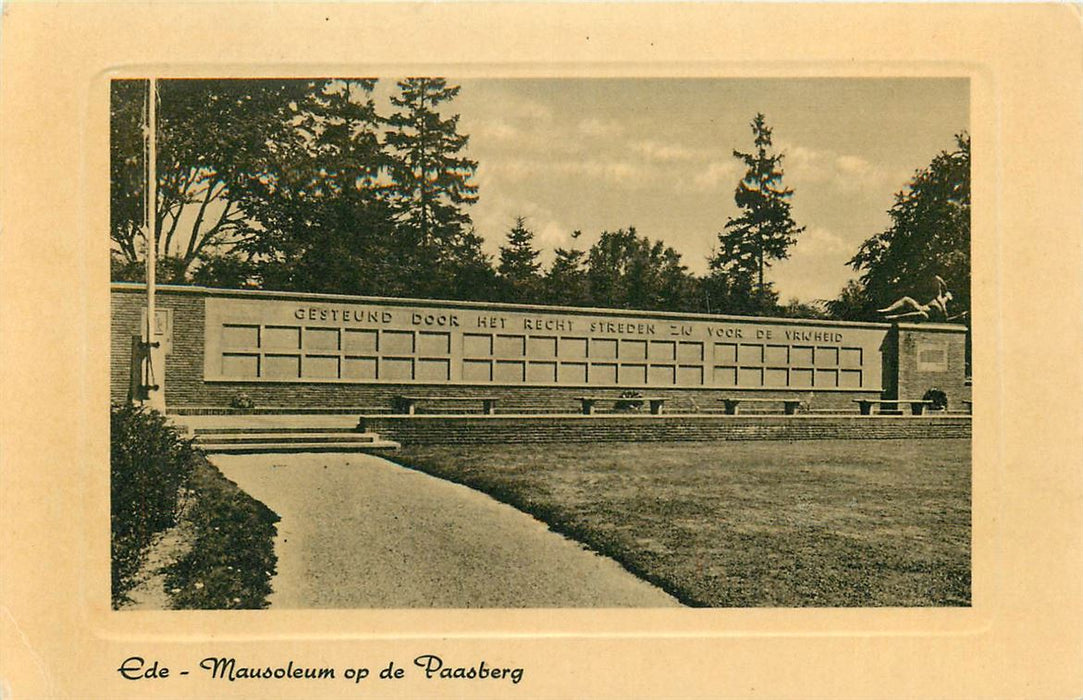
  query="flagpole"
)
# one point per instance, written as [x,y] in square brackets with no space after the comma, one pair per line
[152,383]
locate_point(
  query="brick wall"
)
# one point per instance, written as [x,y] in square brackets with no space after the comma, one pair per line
[467,430]
[185,388]
[184,383]
[914,377]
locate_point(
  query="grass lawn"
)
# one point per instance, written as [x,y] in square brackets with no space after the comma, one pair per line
[738,524]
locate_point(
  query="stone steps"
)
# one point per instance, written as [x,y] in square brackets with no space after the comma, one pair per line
[286,439]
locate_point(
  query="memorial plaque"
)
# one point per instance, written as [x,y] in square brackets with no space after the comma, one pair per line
[268,337]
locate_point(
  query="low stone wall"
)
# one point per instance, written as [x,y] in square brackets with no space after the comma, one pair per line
[477,430]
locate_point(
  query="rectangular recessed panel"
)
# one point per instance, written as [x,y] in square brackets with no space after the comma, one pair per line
[633,374]
[477,371]
[433,370]
[510,346]
[573,348]
[359,368]
[850,358]
[690,375]
[850,378]
[603,374]
[433,343]
[801,378]
[541,372]
[633,349]
[359,341]
[321,339]
[827,357]
[775,376]
[725,353]
[750,354]
[827,378]
[725,376]
[572,373]
[505,371]
[477,345]
[662,375]
[604,348]
[750,376]
[690,352]
[541,346]
[281,338]
[663,351]
[777,354]
[800,355]
[932,357]
[397,343]
[281,366]
[234,336]
[396,369]
[240,366]
[320,367]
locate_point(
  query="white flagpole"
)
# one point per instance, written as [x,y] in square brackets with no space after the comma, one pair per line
[155,397]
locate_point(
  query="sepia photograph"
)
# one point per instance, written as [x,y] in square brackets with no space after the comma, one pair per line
[530,350]
[426,342]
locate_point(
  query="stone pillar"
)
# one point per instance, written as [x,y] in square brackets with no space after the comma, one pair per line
[919,357]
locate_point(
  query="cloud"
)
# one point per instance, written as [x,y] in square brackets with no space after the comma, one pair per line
[816,268]
[665,152]
[718,174]
[818,240]
[610,171]
[496,129]
[600,128]
[846,173]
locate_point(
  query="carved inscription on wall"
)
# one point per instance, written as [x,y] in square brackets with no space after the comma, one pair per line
[276,340]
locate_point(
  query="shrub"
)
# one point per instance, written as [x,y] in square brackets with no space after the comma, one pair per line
[938,397]
[629,401]
[242,400]
[230,564]
[149,464]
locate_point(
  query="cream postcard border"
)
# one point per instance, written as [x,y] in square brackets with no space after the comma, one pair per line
[1022,635]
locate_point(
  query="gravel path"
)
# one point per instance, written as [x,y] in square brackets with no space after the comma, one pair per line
[360,532]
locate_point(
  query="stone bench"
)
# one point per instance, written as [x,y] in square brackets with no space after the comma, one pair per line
[789,406]
[408,404]
[917,406]
[654,402]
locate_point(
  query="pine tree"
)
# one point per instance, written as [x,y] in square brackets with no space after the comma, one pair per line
[765,230]
[565,282]
[519,265]
[430,179]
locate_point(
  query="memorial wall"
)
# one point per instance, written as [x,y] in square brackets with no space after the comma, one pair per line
[320,351]
[381,341]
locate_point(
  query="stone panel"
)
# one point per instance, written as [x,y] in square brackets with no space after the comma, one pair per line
[321,339]
[633,374]
[321,367]
[238,336]
[281,338]
[241,366]
[360,341]
[281,367]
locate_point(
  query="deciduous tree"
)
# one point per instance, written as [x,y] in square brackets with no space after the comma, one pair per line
[626,270]
[929,236]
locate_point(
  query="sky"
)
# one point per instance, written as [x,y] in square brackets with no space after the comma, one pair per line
[603,154]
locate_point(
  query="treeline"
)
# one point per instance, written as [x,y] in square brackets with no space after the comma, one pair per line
[309,185]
